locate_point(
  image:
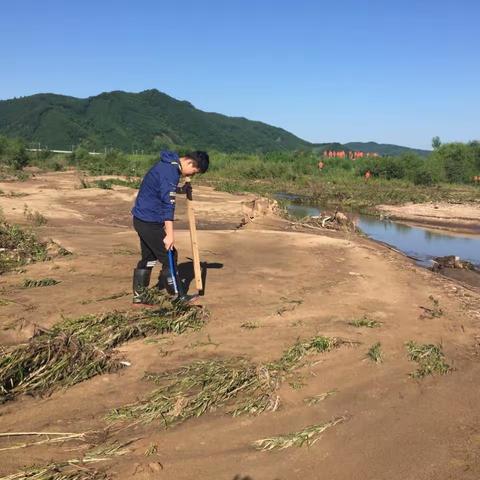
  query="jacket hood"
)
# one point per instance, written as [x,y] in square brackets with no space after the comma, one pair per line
[168,156]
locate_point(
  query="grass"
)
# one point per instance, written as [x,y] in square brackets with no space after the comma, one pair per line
[294,355]
[151,450]
[365,322]
[434,312]
[19,247]
[42,282]
[202,387]
[74,469]
[338,189]
[249,325]
[375,353]
[234,385]
[77,349]
[430,359]
[108,183]
[307,436]
[35,218]
[310,401]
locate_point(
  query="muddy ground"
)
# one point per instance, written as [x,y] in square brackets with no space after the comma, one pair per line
[448,216]
[291,283]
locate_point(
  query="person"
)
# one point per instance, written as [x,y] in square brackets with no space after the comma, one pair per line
[153,215]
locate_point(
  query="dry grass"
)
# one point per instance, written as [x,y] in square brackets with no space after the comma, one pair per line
[310,401]
[294,355]
[75,469]
[42,282]
[365,322]
[77,349]
[233,385]
[203,387]
[307,436]
[19,247]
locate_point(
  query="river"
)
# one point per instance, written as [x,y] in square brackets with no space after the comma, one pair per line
[418,242]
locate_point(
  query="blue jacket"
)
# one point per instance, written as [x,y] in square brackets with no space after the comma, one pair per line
[156,198]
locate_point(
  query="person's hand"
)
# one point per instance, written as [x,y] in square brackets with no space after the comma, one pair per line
[168,242]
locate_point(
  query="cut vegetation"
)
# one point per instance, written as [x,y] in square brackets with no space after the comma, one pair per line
[19,247]
[430,359]
[77,349]
[365,322]
[308,436]
[42,282]
[375,353]
[235,385]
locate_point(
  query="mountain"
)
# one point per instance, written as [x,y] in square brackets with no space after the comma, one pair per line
[127,121]
[384,148]
[149,121]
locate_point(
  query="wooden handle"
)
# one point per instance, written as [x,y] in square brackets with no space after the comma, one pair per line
[193,238]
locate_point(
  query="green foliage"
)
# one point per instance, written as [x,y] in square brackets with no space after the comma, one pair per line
[146,121]
[375,353]
[457,160]
[436,142]
[430,359]
[13,153]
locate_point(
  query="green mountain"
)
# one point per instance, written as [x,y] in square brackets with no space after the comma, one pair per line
[127,121]
[383,148]
[149,121]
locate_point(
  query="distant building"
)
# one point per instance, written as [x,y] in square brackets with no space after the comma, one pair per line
[351,155]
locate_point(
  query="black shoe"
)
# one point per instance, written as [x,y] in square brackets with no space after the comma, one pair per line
[141,281]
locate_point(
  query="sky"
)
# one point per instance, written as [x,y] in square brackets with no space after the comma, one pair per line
[391,71]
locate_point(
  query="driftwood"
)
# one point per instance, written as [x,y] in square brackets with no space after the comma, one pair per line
[330,221]
[451,261]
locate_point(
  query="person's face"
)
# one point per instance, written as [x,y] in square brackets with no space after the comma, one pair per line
[189,169]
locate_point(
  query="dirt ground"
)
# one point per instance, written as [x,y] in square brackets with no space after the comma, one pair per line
[464,217]
[292,284]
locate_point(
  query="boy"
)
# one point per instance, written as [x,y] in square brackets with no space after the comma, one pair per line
[153,214]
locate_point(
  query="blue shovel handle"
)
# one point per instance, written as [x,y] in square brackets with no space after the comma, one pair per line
[173,271]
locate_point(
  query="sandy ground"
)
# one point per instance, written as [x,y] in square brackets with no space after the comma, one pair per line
[293,284]
[464,217]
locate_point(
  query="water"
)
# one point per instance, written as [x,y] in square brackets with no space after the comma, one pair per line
[421,243]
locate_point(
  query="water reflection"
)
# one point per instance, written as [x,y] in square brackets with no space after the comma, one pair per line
[418,242]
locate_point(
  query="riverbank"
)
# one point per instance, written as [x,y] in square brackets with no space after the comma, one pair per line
[463,217]
[269,284]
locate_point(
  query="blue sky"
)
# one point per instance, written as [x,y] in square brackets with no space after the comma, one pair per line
[393,71]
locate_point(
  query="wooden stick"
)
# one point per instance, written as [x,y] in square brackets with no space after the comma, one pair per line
[193,238]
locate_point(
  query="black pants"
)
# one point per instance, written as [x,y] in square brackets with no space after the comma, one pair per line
[151,243]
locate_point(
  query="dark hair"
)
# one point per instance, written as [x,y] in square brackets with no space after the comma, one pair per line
[200,158]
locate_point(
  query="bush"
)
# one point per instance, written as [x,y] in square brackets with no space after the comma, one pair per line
[423,176]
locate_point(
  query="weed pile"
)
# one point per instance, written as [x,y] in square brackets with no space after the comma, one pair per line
[430,359]
[77,349]
[19,247]
[235,385]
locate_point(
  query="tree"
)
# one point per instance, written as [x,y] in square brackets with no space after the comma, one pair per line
[436,142]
